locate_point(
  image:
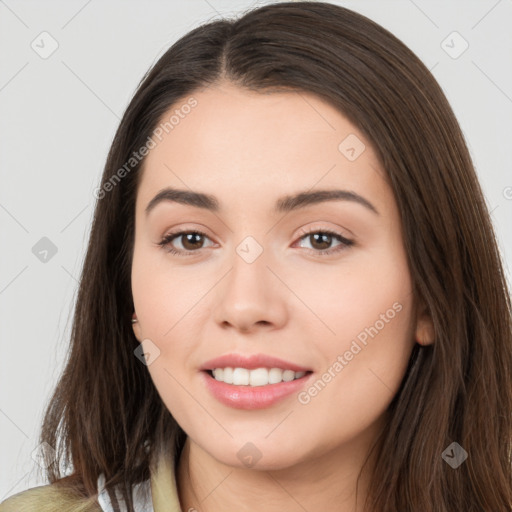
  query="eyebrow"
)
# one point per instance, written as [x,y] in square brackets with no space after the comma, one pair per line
[283,204]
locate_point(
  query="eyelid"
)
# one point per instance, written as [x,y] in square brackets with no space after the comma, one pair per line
[315,228]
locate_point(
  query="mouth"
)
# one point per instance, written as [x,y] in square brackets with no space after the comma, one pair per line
[259,389]
[257,377]
[253,381]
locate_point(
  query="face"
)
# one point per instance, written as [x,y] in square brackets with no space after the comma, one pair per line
[322,285]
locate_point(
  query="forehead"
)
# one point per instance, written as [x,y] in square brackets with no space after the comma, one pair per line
[250,144]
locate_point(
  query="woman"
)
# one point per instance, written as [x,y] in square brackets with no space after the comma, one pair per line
[292,296]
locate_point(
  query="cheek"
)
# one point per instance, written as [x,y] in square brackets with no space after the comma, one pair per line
[369,310]
[163,296]
[370,305]
[363,294]
[364,367]
[169,381]
[164,303]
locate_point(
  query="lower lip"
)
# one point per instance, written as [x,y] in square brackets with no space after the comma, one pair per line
[252,397]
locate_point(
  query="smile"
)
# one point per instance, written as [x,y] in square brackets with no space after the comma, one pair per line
[254,396]
[258,377]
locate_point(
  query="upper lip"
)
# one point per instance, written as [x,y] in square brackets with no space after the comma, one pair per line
[251,362]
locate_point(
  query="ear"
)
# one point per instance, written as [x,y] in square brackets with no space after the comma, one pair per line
[424,332]
[136,328]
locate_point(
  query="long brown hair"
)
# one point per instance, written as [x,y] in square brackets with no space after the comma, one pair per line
[106,416]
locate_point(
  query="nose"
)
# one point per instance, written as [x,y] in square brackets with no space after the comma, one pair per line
[251,297]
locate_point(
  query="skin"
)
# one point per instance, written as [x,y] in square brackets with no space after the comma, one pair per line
[248,149]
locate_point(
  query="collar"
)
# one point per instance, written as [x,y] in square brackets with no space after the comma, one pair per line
[157,494]
[164,489]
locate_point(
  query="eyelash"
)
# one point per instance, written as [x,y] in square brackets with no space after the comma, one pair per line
[165,243]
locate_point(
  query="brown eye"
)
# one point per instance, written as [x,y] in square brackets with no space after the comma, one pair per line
[321,241]
[191,242]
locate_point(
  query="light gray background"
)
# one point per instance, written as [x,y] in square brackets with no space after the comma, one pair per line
[58,117]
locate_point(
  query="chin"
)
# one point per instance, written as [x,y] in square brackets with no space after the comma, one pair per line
[258,455]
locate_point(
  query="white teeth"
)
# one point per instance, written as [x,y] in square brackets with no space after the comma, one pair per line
[228,375]
[240,377]
[275,375]
[257,377]
[218,373]
[288,375]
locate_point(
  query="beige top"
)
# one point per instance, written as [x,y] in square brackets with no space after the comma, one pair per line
[49,498]
[164,489]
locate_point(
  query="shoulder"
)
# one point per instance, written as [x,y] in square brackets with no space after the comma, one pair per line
[47,498]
